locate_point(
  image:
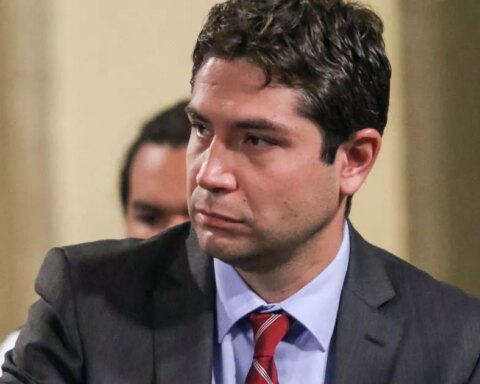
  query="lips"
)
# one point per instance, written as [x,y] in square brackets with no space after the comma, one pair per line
[215,219]
[218,215]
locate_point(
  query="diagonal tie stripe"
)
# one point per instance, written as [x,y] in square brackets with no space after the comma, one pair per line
[262,372]
[265,325]
[268,329]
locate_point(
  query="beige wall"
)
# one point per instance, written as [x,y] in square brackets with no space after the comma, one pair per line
[115,63]
[102,68]
[442,60]
[380,208]
[25,225]
[77,79]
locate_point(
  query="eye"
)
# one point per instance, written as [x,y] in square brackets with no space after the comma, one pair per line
[150,220]
[201,130]
[149,216]
[257,141]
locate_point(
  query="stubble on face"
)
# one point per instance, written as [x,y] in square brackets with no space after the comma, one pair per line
[259,195]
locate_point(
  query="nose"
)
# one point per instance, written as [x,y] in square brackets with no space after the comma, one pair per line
[215,173]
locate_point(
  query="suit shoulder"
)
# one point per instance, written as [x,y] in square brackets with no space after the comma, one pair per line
[113,262]
[440,320]
[422,295]
[414,289]
[116,250]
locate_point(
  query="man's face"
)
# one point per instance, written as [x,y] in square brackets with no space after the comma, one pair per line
[157,198]
[257,188]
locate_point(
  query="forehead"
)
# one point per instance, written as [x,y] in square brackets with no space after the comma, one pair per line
[159,158]
[239,86]
[158,172]
[216,71]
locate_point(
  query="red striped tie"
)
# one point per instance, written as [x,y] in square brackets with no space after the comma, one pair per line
[268,330]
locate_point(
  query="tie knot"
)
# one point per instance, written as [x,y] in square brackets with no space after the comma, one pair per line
[268,330]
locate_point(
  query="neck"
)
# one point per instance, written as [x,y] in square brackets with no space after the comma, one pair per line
[281,281]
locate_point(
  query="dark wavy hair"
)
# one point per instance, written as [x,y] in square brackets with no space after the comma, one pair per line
[171,126]
[331,50]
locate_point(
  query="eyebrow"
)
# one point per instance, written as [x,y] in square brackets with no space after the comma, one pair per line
[260,124]
[249,123]
[192,112]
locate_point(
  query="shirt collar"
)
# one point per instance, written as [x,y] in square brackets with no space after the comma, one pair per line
[315,306]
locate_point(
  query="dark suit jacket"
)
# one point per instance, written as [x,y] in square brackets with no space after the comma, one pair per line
[144,312]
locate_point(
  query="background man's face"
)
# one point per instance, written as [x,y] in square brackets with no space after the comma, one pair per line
[257,188]
[157,198]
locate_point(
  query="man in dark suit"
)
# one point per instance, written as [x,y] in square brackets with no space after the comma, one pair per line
[270,283]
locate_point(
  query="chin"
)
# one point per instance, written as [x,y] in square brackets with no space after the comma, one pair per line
[228,249]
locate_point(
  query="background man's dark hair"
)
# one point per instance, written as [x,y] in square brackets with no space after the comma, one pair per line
[331,50]
[171,127]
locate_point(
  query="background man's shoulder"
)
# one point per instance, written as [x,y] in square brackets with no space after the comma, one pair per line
[113,264]
[104,252]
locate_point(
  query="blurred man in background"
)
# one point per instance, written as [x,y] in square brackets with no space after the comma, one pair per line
[152,181]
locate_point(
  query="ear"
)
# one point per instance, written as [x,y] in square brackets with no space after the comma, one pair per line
[356,157]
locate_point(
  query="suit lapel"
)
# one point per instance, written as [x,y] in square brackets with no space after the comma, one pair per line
[365,340]
[363,348]
[184,318]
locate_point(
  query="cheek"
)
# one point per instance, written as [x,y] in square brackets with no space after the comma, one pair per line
[191,181]
[192,171]
[291,190]
[270,197]
[134,229]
